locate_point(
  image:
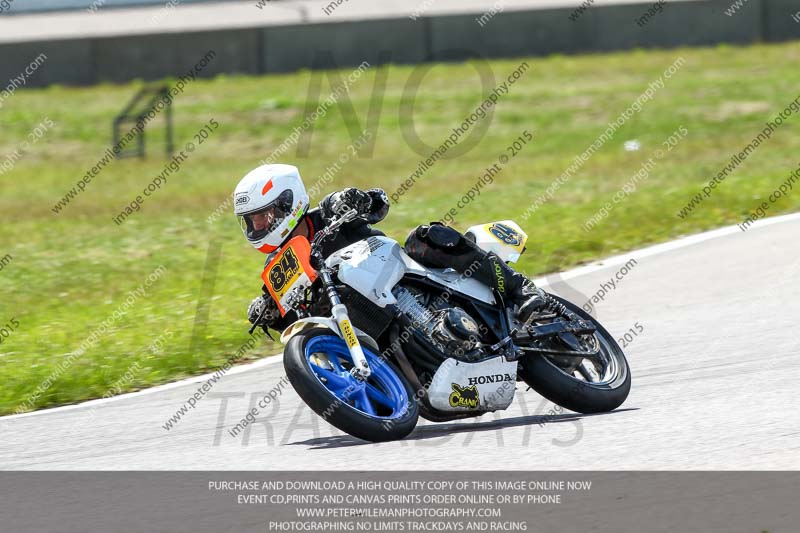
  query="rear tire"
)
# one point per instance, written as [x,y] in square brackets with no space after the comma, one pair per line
[546,378]
[338,412]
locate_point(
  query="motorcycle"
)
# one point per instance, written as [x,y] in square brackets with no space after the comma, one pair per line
[381,339]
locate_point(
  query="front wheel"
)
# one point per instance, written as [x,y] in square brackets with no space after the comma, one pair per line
[582,385]
[380,408]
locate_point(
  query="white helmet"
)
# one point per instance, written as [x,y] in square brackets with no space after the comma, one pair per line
[270,201]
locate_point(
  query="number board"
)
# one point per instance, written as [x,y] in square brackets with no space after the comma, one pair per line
[287,269]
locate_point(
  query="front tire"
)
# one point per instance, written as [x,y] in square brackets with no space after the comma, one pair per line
[382,408]
[580,395]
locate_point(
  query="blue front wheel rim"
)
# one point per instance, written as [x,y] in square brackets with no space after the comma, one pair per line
[383,395]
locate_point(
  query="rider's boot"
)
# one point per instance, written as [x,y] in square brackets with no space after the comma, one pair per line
[513,286]
[529,298]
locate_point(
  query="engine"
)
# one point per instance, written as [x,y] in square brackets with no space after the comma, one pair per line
[450,330]
[444,346]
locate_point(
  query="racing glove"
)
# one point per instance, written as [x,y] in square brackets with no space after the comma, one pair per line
[350,198]
[379,206]
[372,205]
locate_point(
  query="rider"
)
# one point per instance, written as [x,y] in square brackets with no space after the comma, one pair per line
[272,205]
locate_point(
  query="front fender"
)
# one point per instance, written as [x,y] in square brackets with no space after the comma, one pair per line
[306,323]
[329,323]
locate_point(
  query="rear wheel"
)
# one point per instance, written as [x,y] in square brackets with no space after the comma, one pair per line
[588,385]
[380,408]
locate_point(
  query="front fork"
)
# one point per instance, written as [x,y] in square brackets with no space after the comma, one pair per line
[342,319]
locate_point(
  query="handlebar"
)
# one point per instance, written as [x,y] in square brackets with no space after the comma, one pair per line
[331,228]
[327,231]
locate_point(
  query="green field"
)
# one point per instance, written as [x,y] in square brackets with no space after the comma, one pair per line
[68,273]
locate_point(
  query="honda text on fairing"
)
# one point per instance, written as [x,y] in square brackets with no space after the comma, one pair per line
[378,339]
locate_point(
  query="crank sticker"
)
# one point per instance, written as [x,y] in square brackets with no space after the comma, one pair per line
[464,396]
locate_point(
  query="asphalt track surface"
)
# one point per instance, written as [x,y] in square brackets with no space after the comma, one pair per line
[714,387]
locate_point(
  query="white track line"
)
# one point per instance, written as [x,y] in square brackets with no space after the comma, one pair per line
[570,274]
[269,360]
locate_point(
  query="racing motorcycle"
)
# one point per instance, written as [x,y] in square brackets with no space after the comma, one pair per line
[382,339]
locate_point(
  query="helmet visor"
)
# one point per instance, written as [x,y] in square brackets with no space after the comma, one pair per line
[259,224]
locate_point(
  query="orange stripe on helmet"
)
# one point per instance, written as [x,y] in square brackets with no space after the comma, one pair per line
[266,248]
[266,188]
